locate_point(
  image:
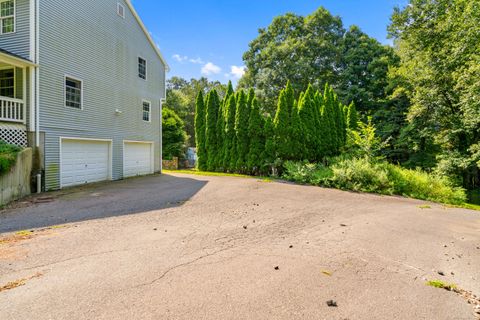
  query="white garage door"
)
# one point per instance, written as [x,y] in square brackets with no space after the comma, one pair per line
[138,159]
[84,161]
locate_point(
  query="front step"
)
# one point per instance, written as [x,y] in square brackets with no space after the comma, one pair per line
[13,133]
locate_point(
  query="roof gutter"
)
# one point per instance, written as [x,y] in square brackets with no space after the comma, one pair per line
[37,72]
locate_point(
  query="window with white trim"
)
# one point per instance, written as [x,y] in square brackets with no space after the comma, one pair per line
[73,93]
[120,10]
[7,16]
[147,108]
[142,68]
[7,83]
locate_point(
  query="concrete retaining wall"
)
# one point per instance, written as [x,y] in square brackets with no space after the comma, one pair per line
[16,183]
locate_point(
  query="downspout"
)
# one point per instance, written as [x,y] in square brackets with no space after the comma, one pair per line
[37,90]
[37,82]
[162,101]
[31,71]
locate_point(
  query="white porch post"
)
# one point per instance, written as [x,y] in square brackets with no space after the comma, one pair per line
[24,94]
[33,104]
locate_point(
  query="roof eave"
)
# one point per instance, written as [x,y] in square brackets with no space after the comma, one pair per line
[147,34]
[16,61]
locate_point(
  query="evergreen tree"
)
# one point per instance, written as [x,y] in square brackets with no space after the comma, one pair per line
[270,154]
[241,128]
[233,155]
[211,131]
[345,114]
[317,115]
[250,98]
[220,136]
[297,140]
[308,117]
[200,129]
[229,147]
[352,117]
[256,138]
[329,123]
[343,124]
[229,91]
[282,122]
[336,119]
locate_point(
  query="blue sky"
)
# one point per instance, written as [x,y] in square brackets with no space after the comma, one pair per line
[208,37]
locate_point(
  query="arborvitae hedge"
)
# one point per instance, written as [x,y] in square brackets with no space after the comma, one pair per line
[256,138]
[233,136]
[229,147]
[241,129]
[282,122]
[220,136]
[211,130]
[200,127]
[297,139]
[352,117]
[270,152]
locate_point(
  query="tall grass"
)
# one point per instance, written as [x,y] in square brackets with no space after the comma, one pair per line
[362,175]
[421,185]
[367,175]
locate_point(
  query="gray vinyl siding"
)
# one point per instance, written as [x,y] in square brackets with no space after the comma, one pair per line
[89,41]
[19,41]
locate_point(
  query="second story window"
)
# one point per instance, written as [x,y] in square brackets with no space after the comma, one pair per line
[120,10]
[73,93]
[146,111]
[7,16]
[142,68]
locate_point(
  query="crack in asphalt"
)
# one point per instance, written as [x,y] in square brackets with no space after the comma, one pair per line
[181,265]
[75,258]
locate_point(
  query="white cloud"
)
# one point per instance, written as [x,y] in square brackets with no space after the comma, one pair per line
[196,61]
[179,58]
[237,71]
[210,68]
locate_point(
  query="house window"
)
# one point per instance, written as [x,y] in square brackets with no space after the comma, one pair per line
[7,16]
[142,68]
[121,10]
[7,83]
[73,93]
[146,110]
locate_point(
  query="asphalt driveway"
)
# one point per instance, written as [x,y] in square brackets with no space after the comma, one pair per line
[191,247]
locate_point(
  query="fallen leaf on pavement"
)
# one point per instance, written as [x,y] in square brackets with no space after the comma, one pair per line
[19,282]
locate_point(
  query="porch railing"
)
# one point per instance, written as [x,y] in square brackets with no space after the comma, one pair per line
[12,110]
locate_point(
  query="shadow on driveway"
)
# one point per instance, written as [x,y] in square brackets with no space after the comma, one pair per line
[126,197]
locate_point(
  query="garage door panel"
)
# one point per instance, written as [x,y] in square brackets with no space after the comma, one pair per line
[137,159]
[84,161]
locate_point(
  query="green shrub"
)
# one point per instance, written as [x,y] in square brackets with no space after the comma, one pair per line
[303,172]
[8,156]
[362,175]
[174,135]
[366,175]
[421,185]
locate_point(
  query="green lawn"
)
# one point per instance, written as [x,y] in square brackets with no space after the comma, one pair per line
[206,173]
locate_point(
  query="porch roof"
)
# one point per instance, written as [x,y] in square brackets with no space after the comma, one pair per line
[14,59]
